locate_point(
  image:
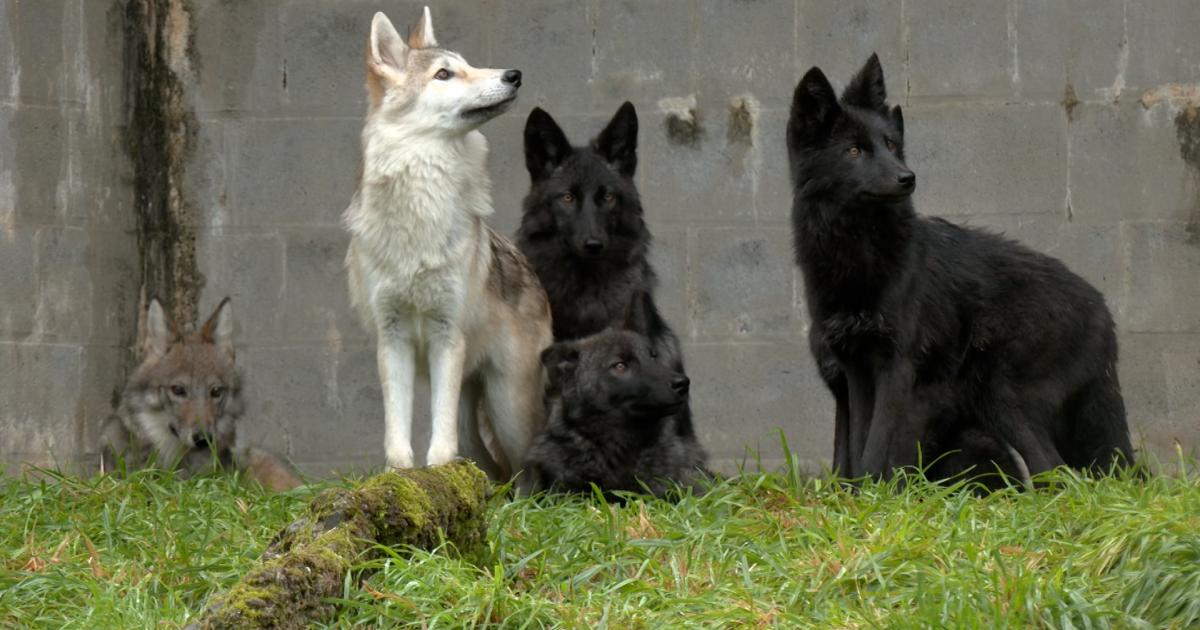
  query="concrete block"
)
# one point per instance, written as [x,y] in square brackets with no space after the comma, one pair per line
[311,403]
[1061,42]
[1125,163]
[550,41]
[773,177]
[43,64]
[838,37]
[8,54]
[239,56]
[249,268]
[316,299]
[744,394]
[744,283]
[1160,383]
[506,164]
[1182,367]
[981,36]
[1163,47]
[668,255]
[746,48]
[698,176]
[104,372]
[40,419]
[987,159]
[64,286]
[1160,262]
[320,158]
[624,71]
[112,260]
[37,160]
[206,182]
[18,283]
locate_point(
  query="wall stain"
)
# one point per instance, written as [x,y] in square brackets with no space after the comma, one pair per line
[159,135]
[741,122]
[1187,131]
[1070,102]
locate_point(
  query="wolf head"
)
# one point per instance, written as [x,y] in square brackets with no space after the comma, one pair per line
[585,195]
[186,394]
[850,152]
[419,85]
[615,372]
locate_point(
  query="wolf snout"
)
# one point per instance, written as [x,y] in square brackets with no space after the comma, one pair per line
[512,77]
[907,179]
[681,384]
[200,439]
[593,246]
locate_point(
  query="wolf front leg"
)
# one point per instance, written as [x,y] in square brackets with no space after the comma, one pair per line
[447,355]
[897,424]
[397,374]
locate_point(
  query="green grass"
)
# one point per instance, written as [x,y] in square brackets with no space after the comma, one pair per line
[760,550]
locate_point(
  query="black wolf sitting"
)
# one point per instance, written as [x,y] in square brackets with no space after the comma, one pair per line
[935,337]
[583,233]
[611,411]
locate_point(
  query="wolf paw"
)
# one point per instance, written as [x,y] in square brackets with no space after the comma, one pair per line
[441,455]
[399,458]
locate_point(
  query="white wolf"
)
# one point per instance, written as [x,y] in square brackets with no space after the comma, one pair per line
[427,275]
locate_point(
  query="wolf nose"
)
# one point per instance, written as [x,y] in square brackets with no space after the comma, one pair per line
[681,384]
[908,178]
[201,439]
[513,77]
[593,246]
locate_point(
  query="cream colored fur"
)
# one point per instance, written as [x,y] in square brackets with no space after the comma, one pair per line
[422,264]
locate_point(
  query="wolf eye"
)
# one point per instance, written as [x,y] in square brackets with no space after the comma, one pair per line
[567,198]
[216,392]
[854,152]
[891,145]
[178,390]
[443,75]
[619,367]
[609,197]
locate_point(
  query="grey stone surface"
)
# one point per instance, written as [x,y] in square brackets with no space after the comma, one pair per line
[743,284]
[746,394]
[839,36]
[961,50]
[976,158]
[1097,179]
[1161,262]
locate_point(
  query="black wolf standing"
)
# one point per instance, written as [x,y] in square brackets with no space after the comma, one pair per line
[583,232]
[934,336]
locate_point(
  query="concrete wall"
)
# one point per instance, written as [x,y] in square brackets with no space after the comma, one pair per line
[1070,125]
[66,246]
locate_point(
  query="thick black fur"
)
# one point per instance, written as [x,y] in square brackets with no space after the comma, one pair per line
[583,233]
[611,410]
[936,338]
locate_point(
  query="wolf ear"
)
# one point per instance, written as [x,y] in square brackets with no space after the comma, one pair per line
[639,314]
[898,120]
[157,333]
[814,108]
[421,35]
[546,146]
[218,330]
[866,89]
[560,360]
[617,144]
[386,51]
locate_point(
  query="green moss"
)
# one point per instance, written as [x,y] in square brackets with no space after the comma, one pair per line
[307,562]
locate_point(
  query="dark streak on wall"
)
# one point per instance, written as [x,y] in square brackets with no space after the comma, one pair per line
[159,135]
